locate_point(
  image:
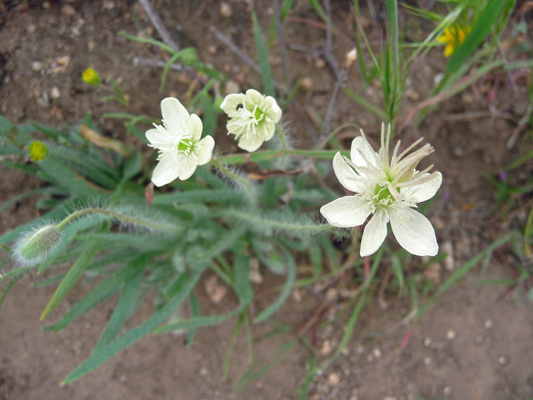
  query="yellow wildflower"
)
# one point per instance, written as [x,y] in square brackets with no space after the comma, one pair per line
[38,151]
[453,37]
[91,77]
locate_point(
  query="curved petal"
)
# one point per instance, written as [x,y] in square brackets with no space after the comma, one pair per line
[426,190]
[362,154]
[272,109]
[253,98]
[203,150]
[374,234]
[231,102]
[196,127]
[165,171]
[413,231]
[175,115]
[347,211]
[250,142]
[159,138]
[187,166]
[266,130]
[346,175]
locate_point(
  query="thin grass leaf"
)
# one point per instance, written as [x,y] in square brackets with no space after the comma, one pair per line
[175,57]
[195,312]
[366,104]
[260,368]
[462,271]
[227,359]
[73,275]
[6,127]
[6,289]
[480,30]
[54,134]
[319,10]
[262,55]
[99,294]
[287,287]
[126,340]
[125,307]
[209,117]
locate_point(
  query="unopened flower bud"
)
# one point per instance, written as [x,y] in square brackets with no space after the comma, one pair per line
[34,247]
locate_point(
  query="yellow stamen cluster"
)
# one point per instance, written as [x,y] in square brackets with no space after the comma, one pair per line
[91,77]
[38,151]
[454,37]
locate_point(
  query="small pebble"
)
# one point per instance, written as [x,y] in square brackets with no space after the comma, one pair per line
[438,78]
[68,10]
[489,324]
[479,339]
[502,360]
[334,378]
[225,10]
[54,93]
[203,371]
[32,28]
[427,342]
[369,358]
[427,361]
[320,63]
[376,352]
[447,390]
[326,348]
[450,334]
[37,66]
[211,49]
[389,398]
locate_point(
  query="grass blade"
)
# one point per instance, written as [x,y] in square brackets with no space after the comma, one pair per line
[262,55]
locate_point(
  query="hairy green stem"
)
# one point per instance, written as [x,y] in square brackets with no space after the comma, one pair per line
[119,216]
[288,226]
[233,176]
[271,154]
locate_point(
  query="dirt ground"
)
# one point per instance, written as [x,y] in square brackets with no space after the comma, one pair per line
[476,342]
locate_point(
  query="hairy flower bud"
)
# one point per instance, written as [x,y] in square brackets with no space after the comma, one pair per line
[36,245]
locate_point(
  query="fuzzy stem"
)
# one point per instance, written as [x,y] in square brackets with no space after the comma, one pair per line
[288,226]
[271,154]
[113,214]
[236,177]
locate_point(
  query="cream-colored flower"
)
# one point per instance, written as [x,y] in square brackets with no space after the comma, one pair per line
[388,188]
[253,118]
[179,142]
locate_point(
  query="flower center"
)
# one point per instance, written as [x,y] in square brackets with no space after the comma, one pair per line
[185,145]
[383,196]
[258,114]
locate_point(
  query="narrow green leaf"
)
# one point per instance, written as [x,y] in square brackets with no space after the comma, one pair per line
[5,126]
[462,271]
[291,277]
[100,293]
[125,307]
[119,344]
[262,55]
[209,117]
[480,30]
[73,275]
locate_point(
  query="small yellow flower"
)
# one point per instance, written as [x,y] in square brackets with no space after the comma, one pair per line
[38,151]
[91,77]
[453,37]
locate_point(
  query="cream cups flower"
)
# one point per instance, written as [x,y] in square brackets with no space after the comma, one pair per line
[179,142]
[253,118]
[388,190]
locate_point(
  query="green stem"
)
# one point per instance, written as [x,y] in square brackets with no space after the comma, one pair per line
[113,214]
[287,226]
[272,154]
[232,175]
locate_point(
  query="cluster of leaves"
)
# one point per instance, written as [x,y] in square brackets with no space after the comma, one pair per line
[205,224]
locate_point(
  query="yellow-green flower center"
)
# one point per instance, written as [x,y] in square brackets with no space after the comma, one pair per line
[259,115]
[383,196]
[185,145]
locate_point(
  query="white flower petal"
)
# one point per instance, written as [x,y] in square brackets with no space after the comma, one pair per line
[347,211]
[250,142]
[196,127]
[265,130]
[374,233]
[346,175]
[203,150]
[253,98]
[231,102]
[362,154]
[187,166]
[159,138]
[165,171]
[272,109]
[413,231]
[175,116]
[426,190]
